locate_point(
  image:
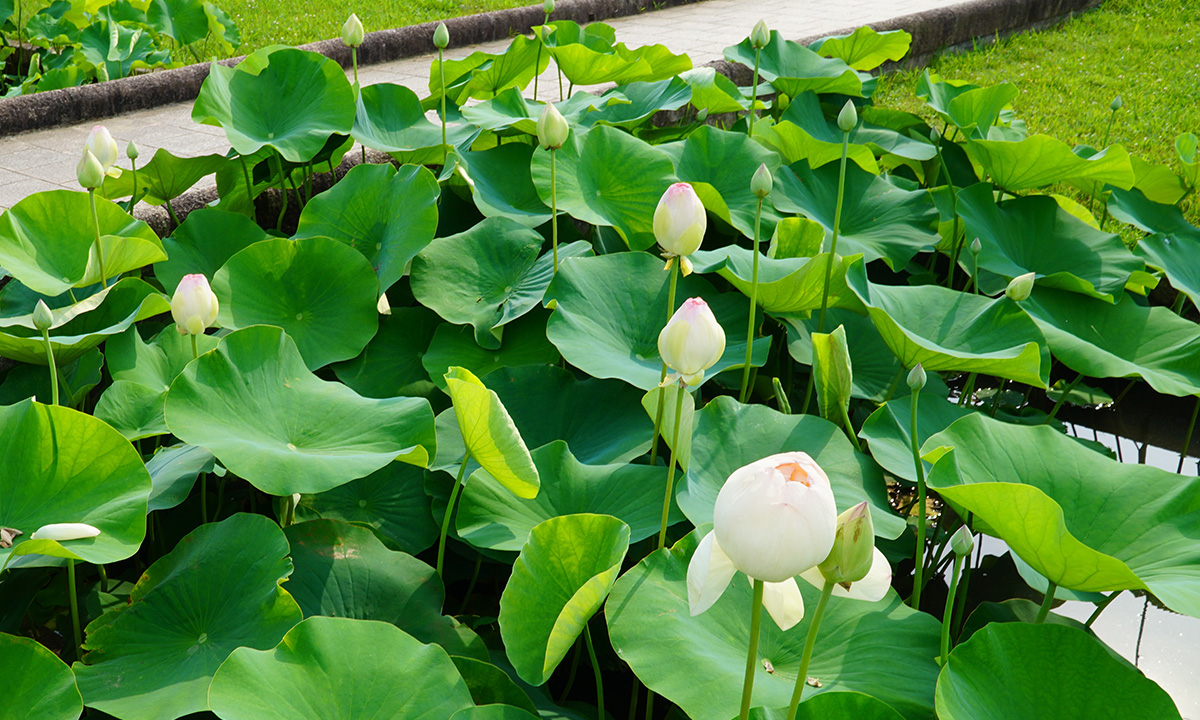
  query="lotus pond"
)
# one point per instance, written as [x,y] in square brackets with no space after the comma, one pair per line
[538,419]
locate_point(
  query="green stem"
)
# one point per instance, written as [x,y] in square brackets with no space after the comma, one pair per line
[103,578]
[837,223]
[195,348]
[919,559]
[753,98]
[964,586]
[1062,398]
[99,246]
[246,176]
[471,585]
[954,211]
[278,160]
[220,498]
[894,384]
[808,388]
[74,607]
[204,498]
[752,652]
[949,614]
[809,642]
[1187,439]
[554,207]
[441,555]
[996,398]
[587,636]
[676,456]
[133,198]
[1100,608]
[53,367]
[1046,603]
[968,389]
[753,308]
[538,62]
[658,416]
[849,428]
[442,77]
[571,673]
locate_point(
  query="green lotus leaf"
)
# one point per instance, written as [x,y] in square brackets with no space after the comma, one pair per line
[1040,160]
[633,104]
[888,431]
[391,501]
[490,436]
[833,704]
[729,435]
[714,92]
[388,215]
[1015,670]
[879,219]
[1034,234]
[390,365]
[785,285]
[62,466]
[481,75]
[173,471]
[205,240]
[164,178]
[1174,246]
[344,571]
[970,108]
[501,183]
[591,55]
[832,374]
[492,687]
[560,579]
[1052,500]
[524,343]
[670,396]
[340,667]
[719,165]
[864,49]
[184,21]
[1104,340]
[493,712]
[490,517]
[803,133]
[947,330]
[47,241]
[390,118]
[320,291]
[39,684]
[293,105]
[487,276]
[882,649]
[75,380]
[593,185]
[611,308]
[792,68]
[218,590]
[254,405]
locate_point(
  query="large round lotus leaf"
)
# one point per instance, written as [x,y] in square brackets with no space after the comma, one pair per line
[482,75]
[600,420]
[489,685]
[714,92]
[62,466]
[611,308]
[597,181]
[391,501]
[46,240]
[255,406]
[888,431]
[524,343]
[560,579]
[502,184]
[174,470]
[489,435]
[1102,340]
[491,517]
[203,242]
[729,435]
[1011,671]
[390,365]
[340,668]
[833,705]
[390,118]
[216,591]
[343,570]
[1079,518]
[785,285]
[1034,234]
[591,55]
[321,292]
[79,327]
[883,649]
[388,215]
[1040,160]
[293,105]
[865,49]
[719,165]
[963,105]
[632,104]
[879,219]
[493,712]
[804,133]
[792,68]
[1174,246]
[164,178]
[948,330]
[38,684]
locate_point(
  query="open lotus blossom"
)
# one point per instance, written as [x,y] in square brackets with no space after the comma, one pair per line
[679,224]
[773,520]
[691,342]
[65,531]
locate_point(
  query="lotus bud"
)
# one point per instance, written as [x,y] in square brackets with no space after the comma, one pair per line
[548,7]
[853,547]
[1117,103]
[760,184]
[42,317]
[194,306]
[131,150]
[691,342]
[976,246]
[89,171]
[680,221]
[352,31]
[65,531]
[702,115]
[552,128]
[962,542]
[103,147]
[1019,287]
[848,117]
[935,136]
[760,35]
[441,37]
[782,102]
[916,378]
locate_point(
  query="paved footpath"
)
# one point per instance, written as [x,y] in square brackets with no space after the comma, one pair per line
[45,160]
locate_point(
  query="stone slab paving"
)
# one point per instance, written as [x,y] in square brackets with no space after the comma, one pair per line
[44,160]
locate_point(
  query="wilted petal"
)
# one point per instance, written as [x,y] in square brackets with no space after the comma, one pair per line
[784,602]
[708,574]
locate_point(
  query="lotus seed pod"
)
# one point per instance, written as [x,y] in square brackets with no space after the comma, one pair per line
[89,171]
[760,184]
[131,150]
[552,128]
[962,542]
[441,37]
[760,35]
[42,317]
[1116,103]
[848,117]
[916,378]
[853,547]
[1020,287]
[352,31]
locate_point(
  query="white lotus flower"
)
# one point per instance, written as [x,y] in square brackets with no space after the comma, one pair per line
[194,306]
[691,342]
[65,531]
[680,221]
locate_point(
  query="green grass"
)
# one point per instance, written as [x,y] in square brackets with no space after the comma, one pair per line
[1146,51]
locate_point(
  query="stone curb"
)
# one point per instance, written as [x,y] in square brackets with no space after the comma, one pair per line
[72,105]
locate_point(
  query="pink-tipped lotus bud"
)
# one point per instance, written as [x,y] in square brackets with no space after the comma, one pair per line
[692,341]
[194,306]
[680,221]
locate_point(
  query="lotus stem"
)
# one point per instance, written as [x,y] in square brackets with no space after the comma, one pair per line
[1046,603]
[204,499]
[752,652]
[849,428]
[676,456]
[753,93]
[658,415]
[74,607]
[538,62]
[133,198]
[53,367]
[996,398]
[442,77]
[919,559]
[949,614]
[249,187]
[450,511]
[99,244]
[1062,398]
[837,223]
[1101,607]
[753,307]
[968,389]
[278,159]
[1187,438]
[554,206]
[960,602]
[571,674]
[954,243]
[587,636]
[809,643]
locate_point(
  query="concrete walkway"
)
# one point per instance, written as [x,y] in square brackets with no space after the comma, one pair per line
[45,160]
